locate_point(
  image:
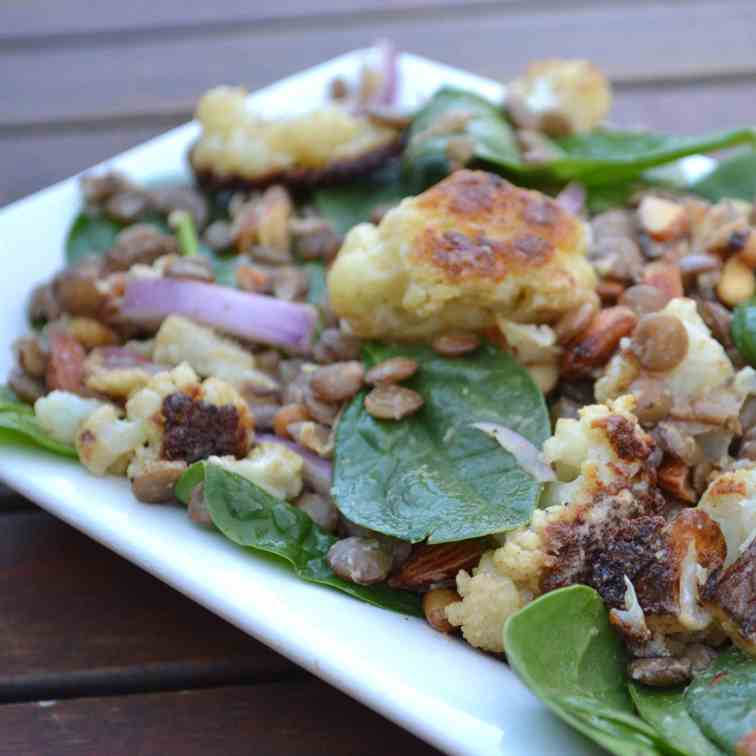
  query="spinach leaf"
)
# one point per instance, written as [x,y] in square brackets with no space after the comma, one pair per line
[432,474]
[734,177]
[722,700]
[493,140]
[17,421]
[665,711]
[250,517]
[566,652]
[347,205]
[9,402]
[193,475]
[605,156]
[90,235]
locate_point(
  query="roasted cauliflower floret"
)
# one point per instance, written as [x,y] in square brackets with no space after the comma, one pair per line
[187,420]
[454,257]
[273,467]
[61,413]
[488,599]
[535,348]
[239,147]
[730,500]
[181,340]
[705,368]
[106,442]
[559,97]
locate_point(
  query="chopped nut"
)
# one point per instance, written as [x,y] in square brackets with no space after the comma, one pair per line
[392,370]
[194,268]
[25,387]
[434,608]
[456,344]
[575,321]
[433,564]
[736,284]
[323,412]
[748,252]
[335,345]
[662,219]
[254,278]
[91,333]
[653,400]
[65,368]
[391,402]
[290,283]
[337,382]
[312,436]
[665,277]
[596,345]
[643,299]
[360,560]
[127,206]
[320,509]
[660,672]
[32,358]
[288,414]
[609,291]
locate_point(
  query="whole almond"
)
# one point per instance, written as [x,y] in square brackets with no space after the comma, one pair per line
[437,563]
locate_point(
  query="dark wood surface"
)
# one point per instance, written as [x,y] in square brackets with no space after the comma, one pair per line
[97,656]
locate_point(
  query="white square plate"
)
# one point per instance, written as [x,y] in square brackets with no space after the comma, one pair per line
[459,700]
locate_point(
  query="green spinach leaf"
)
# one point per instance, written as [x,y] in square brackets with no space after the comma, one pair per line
[90,235]
[722,700]
[566,652]
[453,113]
[346,206]
[665,711]
[734,177]
[192,476]
[250,517]
[432,475]
[17,421]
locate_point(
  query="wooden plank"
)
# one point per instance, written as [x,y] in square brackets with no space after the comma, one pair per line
[631,42]
[34,21]
[307,719]
[76,618]
[33,160]
[38,158]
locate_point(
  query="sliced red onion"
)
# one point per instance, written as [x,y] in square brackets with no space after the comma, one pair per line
[572,198]
[253,317]
[527,456]
[389,69]
[317,472]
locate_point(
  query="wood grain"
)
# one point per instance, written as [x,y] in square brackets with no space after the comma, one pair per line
[302,719]
[631,42]
[76,618]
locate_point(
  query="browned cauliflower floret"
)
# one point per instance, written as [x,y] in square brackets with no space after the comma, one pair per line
[188,420]
[559,97]
[609,527]
[454,257]
[239,148]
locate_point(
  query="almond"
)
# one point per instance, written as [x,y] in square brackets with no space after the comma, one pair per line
[597,344]
[662,219]
[430,564]
[736,283]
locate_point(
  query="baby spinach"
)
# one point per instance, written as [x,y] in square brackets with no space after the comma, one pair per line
[566,652]
[432,475]
[665,711]
[722,700]
[733,177]
[90,235]
[347,205]
[250,517]
[449,114]
[17,421]
[743,330]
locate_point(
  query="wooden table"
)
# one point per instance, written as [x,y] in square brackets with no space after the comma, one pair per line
[97,656]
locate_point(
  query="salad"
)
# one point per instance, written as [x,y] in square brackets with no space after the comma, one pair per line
[490,363]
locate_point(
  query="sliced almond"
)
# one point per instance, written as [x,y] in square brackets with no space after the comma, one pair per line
[662,219]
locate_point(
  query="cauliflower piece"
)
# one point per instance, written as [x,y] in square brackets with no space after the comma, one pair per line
[60,414]
[120,383]
[273,467]
[535,348]
[454,257]
[706,366]
[181,340]
[105,442]
[488,599]
[559,97]
[188,420]
[730,500]
[238,145]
